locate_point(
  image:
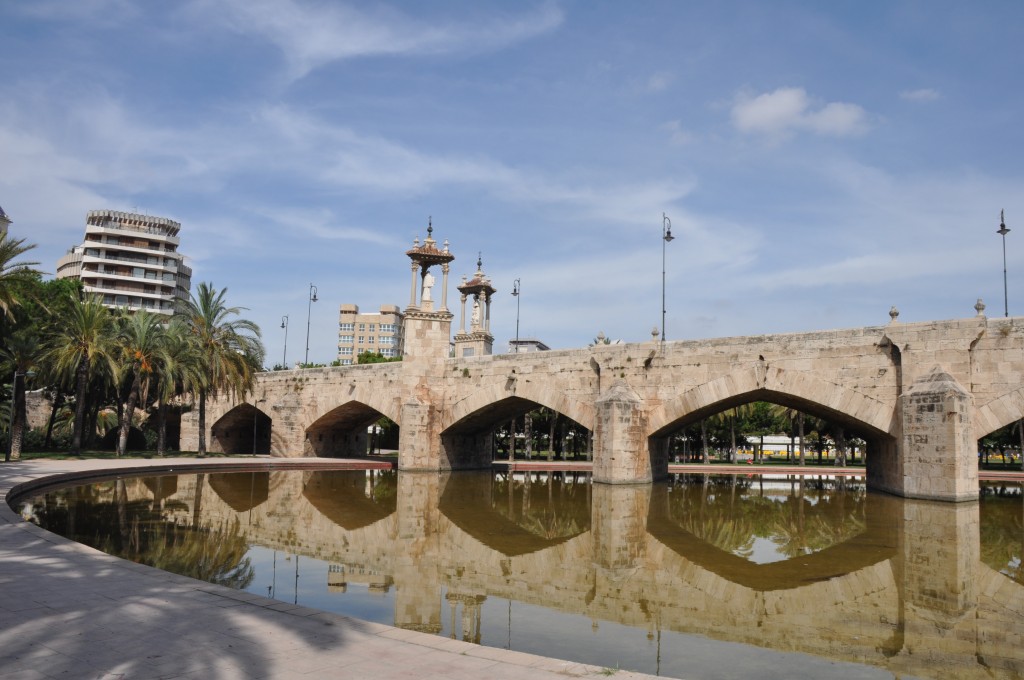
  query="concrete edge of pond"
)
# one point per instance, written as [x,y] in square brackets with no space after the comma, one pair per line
[67,610]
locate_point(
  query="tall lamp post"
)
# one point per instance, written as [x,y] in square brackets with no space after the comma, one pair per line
[309,311]
[666,238]
[284,357]
[14,410]
[515,292]
[1003,231]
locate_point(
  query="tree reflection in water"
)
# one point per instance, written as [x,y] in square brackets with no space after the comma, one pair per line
[1002,529]
[537,507]
[797,516]
[102,516]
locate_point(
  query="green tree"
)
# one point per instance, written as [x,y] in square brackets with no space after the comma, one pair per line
[24,352]
[80,349]
[228,348]
[140,350]
[179,374]
[15,277]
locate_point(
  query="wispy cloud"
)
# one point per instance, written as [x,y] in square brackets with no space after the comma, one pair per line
[789,109]
[923,95]
[312,34]
[95,12]
[659,82]
[352,161]
[677,134]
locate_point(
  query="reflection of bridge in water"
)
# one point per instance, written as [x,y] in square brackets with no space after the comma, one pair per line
[907,593]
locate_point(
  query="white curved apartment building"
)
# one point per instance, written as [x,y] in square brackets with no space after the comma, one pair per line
[130,260]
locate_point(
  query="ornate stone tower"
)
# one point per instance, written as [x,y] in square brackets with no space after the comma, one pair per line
[428,332]
[478,341]
[427,341]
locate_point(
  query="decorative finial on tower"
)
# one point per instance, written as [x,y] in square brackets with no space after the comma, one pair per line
[446,245]
[480,261]
[979,307]
[893,313]
[430,225]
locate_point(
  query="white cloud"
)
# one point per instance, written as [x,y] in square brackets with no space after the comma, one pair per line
[659,82]
[677,135]
[922,95]
[789,109]
[312,34]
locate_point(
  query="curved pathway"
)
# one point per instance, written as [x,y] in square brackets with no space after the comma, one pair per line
[69,611]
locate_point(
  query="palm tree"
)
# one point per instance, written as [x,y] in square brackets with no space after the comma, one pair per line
[23,349]
[81,348]
[140,348]
[178,374]
[229,349]
[14,275]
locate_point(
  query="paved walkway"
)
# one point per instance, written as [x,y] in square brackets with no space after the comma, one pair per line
[68,611]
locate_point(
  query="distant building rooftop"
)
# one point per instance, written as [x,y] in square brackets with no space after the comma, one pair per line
[526,345]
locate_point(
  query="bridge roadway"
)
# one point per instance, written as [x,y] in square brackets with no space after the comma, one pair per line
[920,394]
[870,598]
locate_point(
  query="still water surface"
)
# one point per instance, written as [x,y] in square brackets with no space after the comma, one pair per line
[706,577]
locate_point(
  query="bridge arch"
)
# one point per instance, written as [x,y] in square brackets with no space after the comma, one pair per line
[341,431]
[548,397]
[858,412]
[466,436]
[244,429]
[998,413]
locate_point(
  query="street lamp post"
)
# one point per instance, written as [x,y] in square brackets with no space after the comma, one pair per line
[284,357]
[1003,231]
[14,395]
[666,238]
[515,292]
[309,311]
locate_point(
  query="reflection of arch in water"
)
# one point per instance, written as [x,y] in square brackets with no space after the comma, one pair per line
[243,491]
[243,430]
[876,544]
[470,502]
[342,496]
[162,486]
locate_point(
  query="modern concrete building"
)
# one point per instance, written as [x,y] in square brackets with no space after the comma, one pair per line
[368,332]
[130,260]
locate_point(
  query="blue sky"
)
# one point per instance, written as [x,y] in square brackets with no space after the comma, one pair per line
[820,162]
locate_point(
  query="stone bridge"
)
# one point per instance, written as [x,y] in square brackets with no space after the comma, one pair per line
[920,395]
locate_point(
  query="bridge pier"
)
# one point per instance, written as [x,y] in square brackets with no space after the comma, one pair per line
[937,456]
[621,454]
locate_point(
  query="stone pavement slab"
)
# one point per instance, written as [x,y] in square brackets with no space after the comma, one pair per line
[69,611]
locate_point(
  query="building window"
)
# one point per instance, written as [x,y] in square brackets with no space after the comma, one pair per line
[373,327]
[347,327]
[361,339]
[346,351]
[346,362]
[387,340]
[347,339]
[362,326]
